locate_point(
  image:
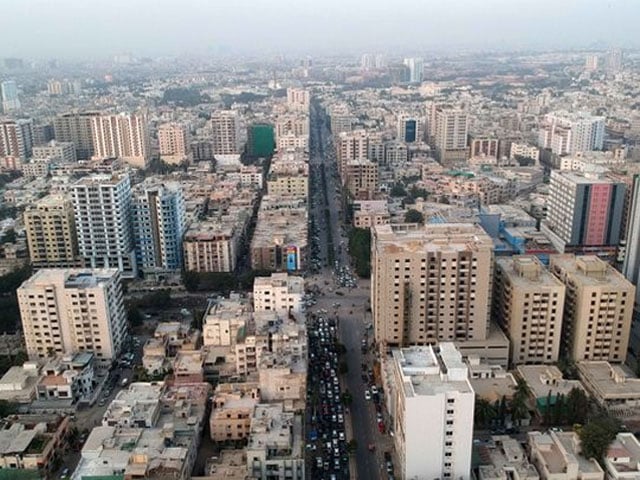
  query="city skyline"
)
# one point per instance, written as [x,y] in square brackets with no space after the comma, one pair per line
[195,27]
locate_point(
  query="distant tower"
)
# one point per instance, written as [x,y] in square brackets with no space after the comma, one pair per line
[614,60]
[10,100]
[416,69]
[591,63]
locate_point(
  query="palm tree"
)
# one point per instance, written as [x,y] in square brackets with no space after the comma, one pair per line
[485,412]
[519,403]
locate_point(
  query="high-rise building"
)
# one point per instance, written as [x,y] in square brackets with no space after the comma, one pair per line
[614,60]
[51,233]
[225,126]
[430,283]
[298,98]
[342,119]
[10,99]
[123,136]
[584,210]
[16,138]
[102,208]
[71,311]
[76,128]
[631,267]
[410,129]
[63,151]
[361,178]
[173,143]
[450,128]
[367,61]
[598,308]
[416,69]
[158,226]
[528,302]
[591,63]
[571,133]
[351,146]
[430,381]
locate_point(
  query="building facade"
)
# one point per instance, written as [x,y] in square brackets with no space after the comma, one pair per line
[528,303]
[72,311]
[584,210]
[102,207]
[77,129]
[426,379]
[123,136]
[51,233]
[158,226]
[430,283]
[598,308]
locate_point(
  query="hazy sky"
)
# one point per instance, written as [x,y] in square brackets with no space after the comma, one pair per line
[85,28]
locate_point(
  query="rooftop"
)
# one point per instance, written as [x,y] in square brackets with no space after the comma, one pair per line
[443,237]
[588,271]
[425,371]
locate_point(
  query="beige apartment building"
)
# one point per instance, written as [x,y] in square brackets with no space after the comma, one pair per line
[172,143]
[71,311]
[361,178]
[51,233]
[122,136]
[231,411]
[225,127]
[76,127]
[288,185]
[528,303]
[598,308]
[430,283]
[210,247]
[351,146]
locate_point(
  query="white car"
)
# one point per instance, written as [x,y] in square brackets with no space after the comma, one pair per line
[374,390]
[367,395]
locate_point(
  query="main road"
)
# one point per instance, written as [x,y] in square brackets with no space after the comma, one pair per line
[350,305]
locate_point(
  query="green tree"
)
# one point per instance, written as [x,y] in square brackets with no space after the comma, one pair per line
[135,316]
[9,236]
[485,413]
[577,406]
[398,190]
[414,216]
[352,446]
[597,435]
[360,250]
[520,400]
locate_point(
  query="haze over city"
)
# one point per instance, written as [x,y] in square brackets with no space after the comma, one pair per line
[94,29]
[320,240]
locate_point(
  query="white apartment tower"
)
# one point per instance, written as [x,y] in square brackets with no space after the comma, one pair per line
[172,143]
[158,226]
[102,208]
[430,283]
[225,126]
[71,311]
[416,69]
[122,136]
[571,133]
[10,99]
[431,404]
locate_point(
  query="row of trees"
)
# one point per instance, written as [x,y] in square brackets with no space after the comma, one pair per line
[595,427]
[360,249]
